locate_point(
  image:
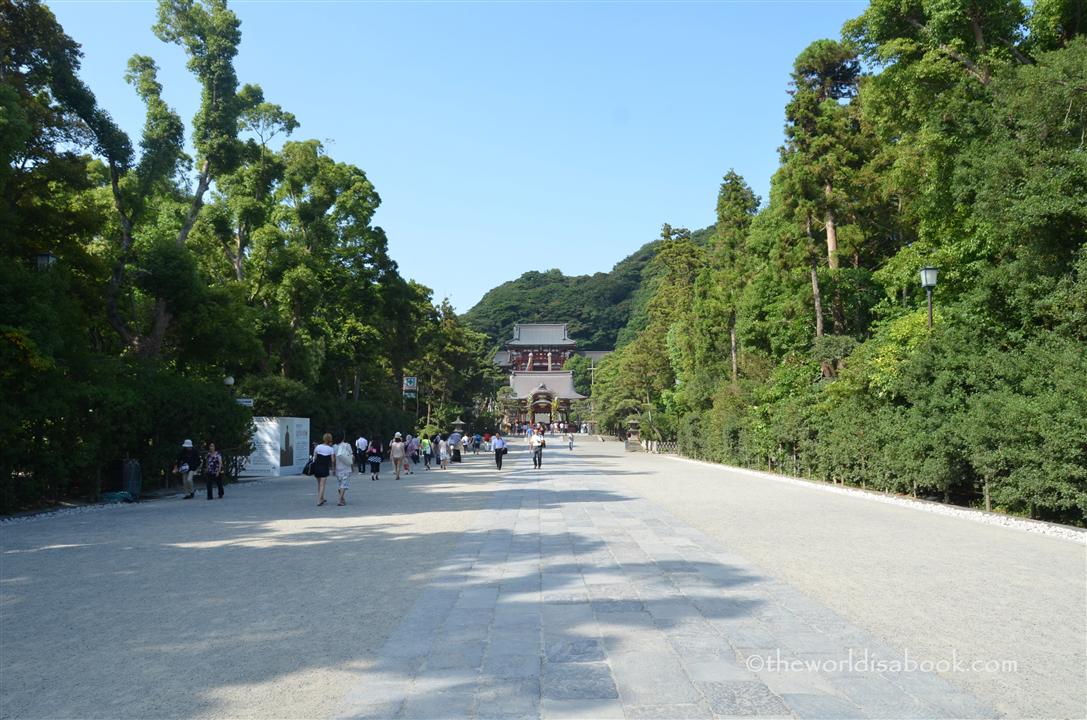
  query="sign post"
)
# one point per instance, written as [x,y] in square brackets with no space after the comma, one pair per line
[410,389]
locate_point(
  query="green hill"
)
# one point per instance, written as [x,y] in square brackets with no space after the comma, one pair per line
[598,307]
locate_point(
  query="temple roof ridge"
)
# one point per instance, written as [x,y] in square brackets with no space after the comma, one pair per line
[541,335]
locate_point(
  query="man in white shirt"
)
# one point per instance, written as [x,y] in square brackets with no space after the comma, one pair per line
[536,443]
[499,445]
[360,451]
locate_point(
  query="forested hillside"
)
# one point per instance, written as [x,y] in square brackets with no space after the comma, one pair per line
[599,308]
[947,134]
[137,278]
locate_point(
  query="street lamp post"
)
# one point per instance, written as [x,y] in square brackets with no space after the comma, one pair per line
[229,382]
[928,282]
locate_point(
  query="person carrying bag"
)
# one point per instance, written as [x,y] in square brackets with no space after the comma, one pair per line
[322,465]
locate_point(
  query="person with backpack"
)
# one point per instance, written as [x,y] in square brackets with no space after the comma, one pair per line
[499,445]
[341,465]
[322,465]
[373,456]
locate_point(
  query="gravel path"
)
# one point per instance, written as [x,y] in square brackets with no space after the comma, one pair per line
[606,584]
[927,583]
[258,605]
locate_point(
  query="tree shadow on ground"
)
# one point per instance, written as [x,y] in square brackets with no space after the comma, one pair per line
[240,605]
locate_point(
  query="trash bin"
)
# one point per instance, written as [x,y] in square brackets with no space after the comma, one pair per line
[131,478]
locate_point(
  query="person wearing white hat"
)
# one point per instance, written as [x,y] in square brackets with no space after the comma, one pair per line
[396,453]
[188,460]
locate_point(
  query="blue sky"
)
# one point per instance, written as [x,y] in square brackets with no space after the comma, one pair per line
[505,136]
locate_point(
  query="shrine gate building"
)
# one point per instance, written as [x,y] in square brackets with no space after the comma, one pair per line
[535,357]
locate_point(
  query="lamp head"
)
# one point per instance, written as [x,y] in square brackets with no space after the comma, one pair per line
[928,277]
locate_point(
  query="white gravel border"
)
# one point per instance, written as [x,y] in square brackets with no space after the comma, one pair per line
[1038,527]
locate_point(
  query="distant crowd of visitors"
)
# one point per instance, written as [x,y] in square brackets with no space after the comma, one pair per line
[335,457]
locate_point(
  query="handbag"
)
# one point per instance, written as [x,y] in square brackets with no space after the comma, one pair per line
[505,450]
[308,469]
[184,468]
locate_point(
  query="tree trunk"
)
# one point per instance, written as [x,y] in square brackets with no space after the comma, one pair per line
[239,256]
[128,334]
[355,391]
[150,345]
[817,299]
[732,343]
[837,312]
[832,232]
[202,186]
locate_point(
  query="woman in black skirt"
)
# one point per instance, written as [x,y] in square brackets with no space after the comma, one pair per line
[373,456]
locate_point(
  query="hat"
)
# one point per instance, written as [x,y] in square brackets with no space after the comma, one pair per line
[187,443]
[396,435]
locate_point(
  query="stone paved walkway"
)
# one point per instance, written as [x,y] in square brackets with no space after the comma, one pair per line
[565,602]
[605,585]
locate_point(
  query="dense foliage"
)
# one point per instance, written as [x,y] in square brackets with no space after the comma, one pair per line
[600,309]
[255,257]
[947,133]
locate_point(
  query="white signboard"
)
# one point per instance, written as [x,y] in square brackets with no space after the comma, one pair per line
[299,442]
[264,461]
[280,447]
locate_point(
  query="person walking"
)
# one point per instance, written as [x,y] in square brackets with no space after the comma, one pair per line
[424,447]
[188,460]
[341,466]
[499,444]
[477,440]
[213,469]
[361,444]
[322,465]
[373,456]
[411,453]
[570,439]
[537,443]
[443,452]
[396,454]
